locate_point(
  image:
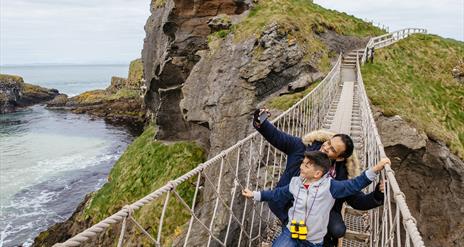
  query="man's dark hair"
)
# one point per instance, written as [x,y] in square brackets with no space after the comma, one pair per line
[321,160]
[349,146]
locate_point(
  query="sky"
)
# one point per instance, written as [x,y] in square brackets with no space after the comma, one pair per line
[72,31]
[111,31]
[442,17]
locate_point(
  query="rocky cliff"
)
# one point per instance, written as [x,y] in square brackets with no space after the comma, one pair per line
[431,177]
[15,93]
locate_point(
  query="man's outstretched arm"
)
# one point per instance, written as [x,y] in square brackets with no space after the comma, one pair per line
[362,201]
[279,139]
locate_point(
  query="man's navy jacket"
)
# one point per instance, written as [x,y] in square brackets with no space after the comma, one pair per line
[294,148]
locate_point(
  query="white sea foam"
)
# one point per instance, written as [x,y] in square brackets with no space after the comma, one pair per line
[48,164]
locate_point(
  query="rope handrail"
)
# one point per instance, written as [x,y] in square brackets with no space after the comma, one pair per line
[389,38]
[252,162]
[375,150]
[408,220]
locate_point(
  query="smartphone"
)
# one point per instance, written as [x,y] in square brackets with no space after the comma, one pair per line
[262,117]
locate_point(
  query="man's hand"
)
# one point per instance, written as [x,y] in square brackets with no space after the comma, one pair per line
[247,193]
[377,168]
[380,191]
[256,115]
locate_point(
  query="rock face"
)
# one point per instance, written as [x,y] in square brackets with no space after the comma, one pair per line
[135,76]
[117,83]
[116,104]
[432,179]
[15,93]
[175,32]
[458,71]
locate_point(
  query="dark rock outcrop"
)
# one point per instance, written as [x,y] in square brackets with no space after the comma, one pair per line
[458,71]
[432,179]
[117,83]
[15,93]
[175,32]
[119,106]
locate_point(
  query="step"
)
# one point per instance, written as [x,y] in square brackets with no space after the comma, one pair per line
[352,59]
[357,236]
[356,139]
[355,212]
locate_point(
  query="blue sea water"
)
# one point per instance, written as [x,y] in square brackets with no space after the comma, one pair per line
[50,159]
[68,79]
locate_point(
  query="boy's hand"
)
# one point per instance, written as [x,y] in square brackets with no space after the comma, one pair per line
[377,168]
[247,193]
[382,186]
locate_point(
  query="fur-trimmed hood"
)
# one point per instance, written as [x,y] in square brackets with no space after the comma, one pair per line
[352,162]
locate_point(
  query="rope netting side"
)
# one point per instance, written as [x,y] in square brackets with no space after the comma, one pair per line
[250,163]
[385,223]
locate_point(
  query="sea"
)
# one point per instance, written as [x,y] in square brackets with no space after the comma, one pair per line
[50,159]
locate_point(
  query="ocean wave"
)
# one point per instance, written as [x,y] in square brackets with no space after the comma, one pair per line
[35,208]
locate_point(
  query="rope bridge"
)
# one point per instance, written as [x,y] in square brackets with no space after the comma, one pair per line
[225,218]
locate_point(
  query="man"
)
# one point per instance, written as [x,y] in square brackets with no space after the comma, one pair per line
[339,148]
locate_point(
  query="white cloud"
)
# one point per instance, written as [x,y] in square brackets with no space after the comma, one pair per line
[111,31]
[69,31]
[445,18]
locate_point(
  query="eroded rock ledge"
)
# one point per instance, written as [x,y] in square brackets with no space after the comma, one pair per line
[15,93]
[431,177]
[120,103]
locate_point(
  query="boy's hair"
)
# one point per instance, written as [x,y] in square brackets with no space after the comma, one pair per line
[349,146]
[321,160]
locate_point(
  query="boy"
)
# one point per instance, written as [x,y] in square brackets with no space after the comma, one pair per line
[314,193]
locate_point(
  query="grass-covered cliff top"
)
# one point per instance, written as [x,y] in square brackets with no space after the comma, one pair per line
[26,88]
[145,166]
[4,78]
[413,79]
[304,17]
[303,20]
[97,96]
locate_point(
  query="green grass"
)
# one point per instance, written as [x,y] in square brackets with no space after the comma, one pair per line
[285,101]
[305,17]
[14,78]
[145,166]
[124,93]
[158,3]
[135,73]
[97,96]
[413,79]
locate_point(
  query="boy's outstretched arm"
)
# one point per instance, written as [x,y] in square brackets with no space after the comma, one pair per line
[341,189]
[277,194]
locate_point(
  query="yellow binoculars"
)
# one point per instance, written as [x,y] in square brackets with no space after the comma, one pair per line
[298,231]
